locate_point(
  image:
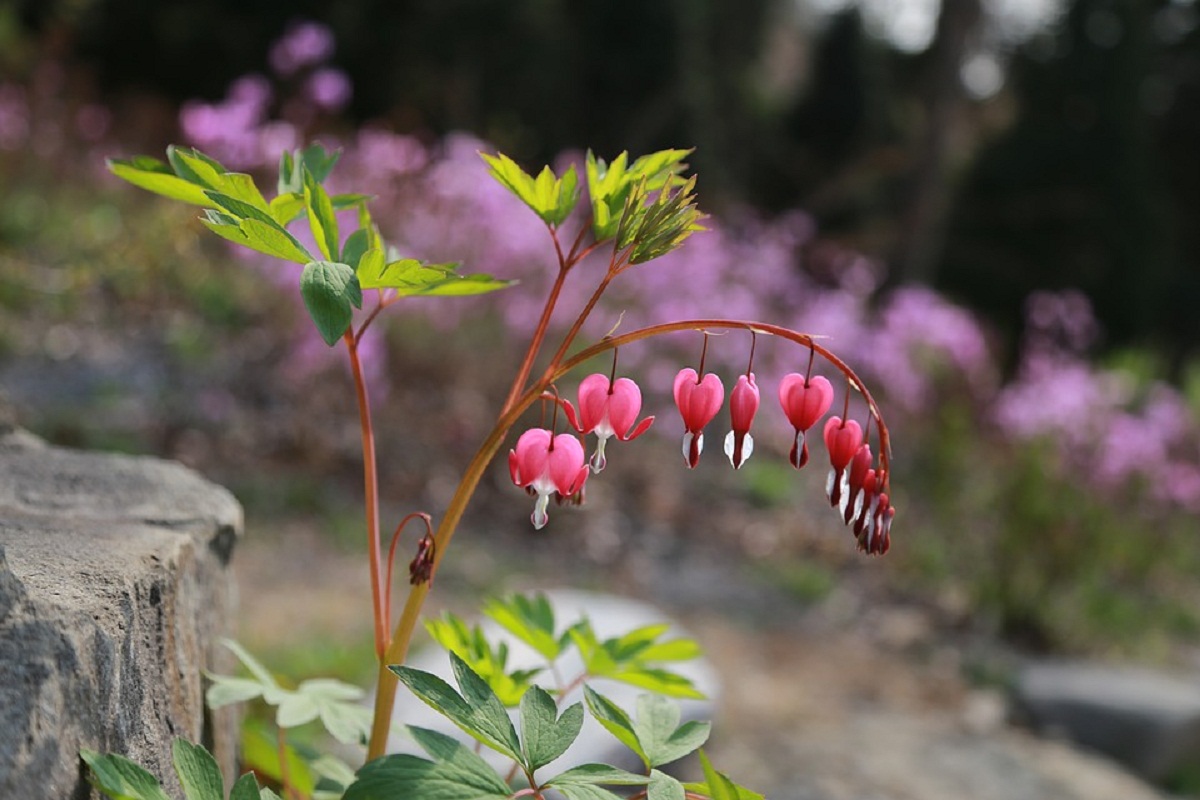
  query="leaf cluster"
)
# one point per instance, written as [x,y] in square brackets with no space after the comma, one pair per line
[121,779]
[332,281]
[335,704]
[647,206]
[637,658]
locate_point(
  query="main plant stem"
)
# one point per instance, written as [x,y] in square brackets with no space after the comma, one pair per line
[371,491]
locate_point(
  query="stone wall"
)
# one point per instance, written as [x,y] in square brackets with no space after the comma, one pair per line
[114,589]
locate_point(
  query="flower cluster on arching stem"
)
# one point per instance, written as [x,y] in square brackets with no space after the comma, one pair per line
[548,465]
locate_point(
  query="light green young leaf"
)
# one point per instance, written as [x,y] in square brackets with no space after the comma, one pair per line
[658,730]
[260,752]
[664,787]
[343,201]
[718,786]
[530,619]
[252,664]
[455,773]
[470,644]
[410,277]
[614,720]
[198,771]
[245,788]
[287,207]
[290,179]
[121,779]
[491,717]
[544,735]
[550,197]
[321,217]
[329,289]
[155,176]
[226,690]
[624,659]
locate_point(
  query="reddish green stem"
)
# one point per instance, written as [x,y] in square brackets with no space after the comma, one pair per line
[371,491]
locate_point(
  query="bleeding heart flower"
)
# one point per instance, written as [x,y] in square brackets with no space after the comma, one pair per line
[804,401]
[608,410]
[743,405]
[842,439]
[852,501]
[544,464]
[698,401]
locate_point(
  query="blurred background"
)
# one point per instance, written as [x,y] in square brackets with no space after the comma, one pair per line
[989,206]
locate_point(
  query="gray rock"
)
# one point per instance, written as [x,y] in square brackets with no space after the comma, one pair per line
[908,756]
[1143,718]
[114,586]
[610,616]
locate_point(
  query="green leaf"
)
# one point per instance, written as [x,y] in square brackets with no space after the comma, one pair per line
[286,207]
[664,787]
[530,619]
[661,736]
[489,663]
[321,217]
[357,243]
[624,659]
[120,778]
[290,179]
[198,771]
[266,793]
[192,165]
[226,690]
[455,773]
[245,788]
[597,774]
[329,290]
[544,735]
[410,277]
[614,719]
[260,752]
[718,786]
[616,189]
[343,201]
[478,712]
[583,782]
[318,162]
[155,176]
[550,197]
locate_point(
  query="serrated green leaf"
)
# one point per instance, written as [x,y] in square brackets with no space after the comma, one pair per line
[198,771]
[544,735]
[613,718]
[120,778]
[673,650]
[329,290]
[341,202]
[550,197]
[319,162]
[718,786]
[155,176]
[490,715]
[321,217]
[348,722]
[660,681]
[472,647]
[410,277]
[455,773]
[486,720]
[661,736]
[287,207]
[193,166]
[586,791]
[268,237]
[664,787]
[597,774]
[245,788]
[530,619]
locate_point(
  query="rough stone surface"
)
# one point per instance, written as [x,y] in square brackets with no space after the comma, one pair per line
[1143,718]
[114,586]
